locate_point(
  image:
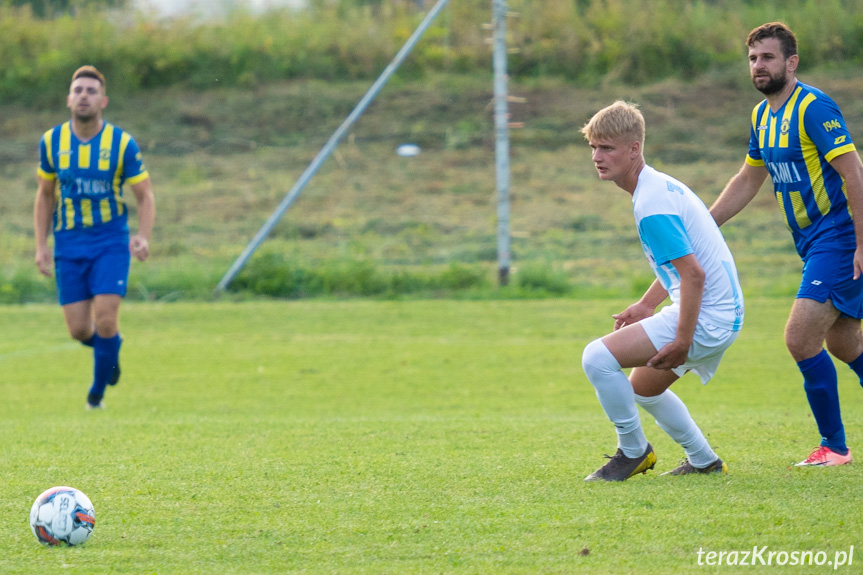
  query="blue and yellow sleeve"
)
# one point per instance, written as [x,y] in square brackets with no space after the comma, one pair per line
[46,169]
[753,157]
[825,126]
[134,170]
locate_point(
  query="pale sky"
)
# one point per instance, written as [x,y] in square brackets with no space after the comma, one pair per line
[170,8]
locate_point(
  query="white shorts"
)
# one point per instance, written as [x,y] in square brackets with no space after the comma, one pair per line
[708,343]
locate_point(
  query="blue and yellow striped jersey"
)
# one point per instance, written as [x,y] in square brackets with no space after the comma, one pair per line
[91,176]
[796,145]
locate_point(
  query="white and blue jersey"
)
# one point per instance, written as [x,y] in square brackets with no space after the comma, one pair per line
[672,223]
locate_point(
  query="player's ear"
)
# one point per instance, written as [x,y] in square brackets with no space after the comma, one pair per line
[635,149]
[792,62]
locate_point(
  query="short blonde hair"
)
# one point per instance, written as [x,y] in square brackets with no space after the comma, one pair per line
[619,120]
[89,72]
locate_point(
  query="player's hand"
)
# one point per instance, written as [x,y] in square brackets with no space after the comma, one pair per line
[633,314]
[670,356]
[139,247]
[44,262]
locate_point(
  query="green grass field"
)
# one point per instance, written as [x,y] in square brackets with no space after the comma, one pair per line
[400,437]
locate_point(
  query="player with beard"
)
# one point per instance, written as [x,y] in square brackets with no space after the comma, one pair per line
[83,165]
[799,138]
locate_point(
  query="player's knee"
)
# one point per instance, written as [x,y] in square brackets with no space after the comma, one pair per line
[106,324]
[801,348]
[107,328]
[597,361]
[846,349]
[80,332]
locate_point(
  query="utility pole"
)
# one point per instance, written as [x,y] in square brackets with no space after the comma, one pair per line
[501,145]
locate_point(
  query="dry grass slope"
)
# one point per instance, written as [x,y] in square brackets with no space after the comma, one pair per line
[222,160]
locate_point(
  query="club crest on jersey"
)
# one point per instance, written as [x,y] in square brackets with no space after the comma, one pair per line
[786,126]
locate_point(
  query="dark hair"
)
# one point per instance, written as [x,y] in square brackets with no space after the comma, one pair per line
[89,72]
[778,30]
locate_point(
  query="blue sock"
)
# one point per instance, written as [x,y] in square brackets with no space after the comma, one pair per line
[106,354]
[857,366]
[821,385]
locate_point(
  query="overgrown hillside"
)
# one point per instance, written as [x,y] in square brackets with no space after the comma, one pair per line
[374,223]
[583,41]
[230,112]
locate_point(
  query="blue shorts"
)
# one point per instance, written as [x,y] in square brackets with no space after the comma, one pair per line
[80,279]
[828,274]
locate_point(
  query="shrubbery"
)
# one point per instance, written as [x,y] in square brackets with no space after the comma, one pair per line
[582,40]
[275,275]
[25,286]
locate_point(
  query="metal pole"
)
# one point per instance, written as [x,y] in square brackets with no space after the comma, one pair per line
[501,128]
[329,147]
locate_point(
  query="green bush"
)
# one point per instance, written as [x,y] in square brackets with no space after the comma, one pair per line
[273,274]
[462,277]
[26,286]
[543,278]
[584,41]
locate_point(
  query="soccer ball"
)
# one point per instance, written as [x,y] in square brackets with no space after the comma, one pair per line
[62,515]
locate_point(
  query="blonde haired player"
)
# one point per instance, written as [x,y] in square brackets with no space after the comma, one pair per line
[695,269]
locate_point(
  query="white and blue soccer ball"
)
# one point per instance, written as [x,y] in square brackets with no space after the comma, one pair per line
[62,516]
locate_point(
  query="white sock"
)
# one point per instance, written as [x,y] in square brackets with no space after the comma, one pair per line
[616,397]
[673,417]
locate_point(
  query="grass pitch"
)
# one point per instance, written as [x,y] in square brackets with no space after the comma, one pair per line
[401,437]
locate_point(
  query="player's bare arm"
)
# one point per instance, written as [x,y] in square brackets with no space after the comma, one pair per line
[139,244]
[42,215]
[691,291]
[738,192]
[850,168]
[645,307]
